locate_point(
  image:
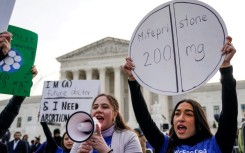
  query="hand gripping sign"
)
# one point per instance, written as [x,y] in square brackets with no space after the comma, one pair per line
[176,47]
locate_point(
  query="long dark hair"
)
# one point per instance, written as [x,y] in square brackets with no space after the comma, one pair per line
[62,143]
[202,127]
[120,124]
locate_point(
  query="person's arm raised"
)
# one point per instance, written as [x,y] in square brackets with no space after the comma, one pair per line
[228,116]
[148,126]
[11,110]
[228,51]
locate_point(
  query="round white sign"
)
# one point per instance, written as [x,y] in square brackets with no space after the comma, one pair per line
[176,47]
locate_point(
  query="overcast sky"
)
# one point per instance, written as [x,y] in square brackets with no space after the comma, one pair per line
[65,25]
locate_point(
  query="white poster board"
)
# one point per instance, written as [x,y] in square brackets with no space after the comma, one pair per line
[6,9]
[176,47]
[60,99]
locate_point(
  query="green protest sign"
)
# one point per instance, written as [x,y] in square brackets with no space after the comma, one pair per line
[15,69]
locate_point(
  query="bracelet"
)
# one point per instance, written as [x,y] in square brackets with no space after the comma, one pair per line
[110,151]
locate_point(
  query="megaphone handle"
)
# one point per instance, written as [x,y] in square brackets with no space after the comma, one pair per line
[52,144]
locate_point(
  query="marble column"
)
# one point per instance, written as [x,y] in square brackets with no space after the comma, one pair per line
[163,100]
[132,122]
[75,74]
[62,75]
[102,73]
[88,74]
[117,88]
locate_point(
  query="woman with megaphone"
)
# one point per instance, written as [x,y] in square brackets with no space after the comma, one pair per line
[112,133]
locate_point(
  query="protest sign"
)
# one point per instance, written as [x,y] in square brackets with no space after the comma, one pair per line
[176,47]
[15,69]
[60,99]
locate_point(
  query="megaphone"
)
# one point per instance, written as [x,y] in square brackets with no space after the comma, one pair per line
[80,126]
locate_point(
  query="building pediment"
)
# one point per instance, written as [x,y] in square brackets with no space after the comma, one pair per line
[105,47]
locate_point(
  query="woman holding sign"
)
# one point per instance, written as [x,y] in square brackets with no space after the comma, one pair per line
[11,110]
[113,135]
[190,131]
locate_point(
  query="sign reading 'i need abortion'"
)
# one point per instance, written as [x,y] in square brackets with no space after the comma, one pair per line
[62,98]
